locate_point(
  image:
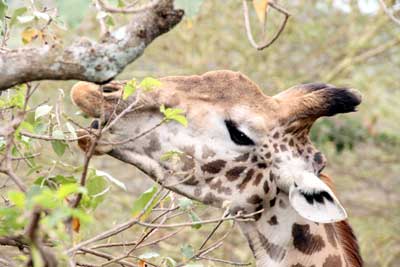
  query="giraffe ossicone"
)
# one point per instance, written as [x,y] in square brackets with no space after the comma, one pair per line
[240,147]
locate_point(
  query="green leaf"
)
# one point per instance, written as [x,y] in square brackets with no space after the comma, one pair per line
[170,262]
[3,9]
[68,189]
[81,215]
[121,3]
[129,89]
[42,110]
[2,143]
[187,251]
[171,154]
[58,134]
[59,147]
[185,203]
[195,218]
[191,7]
[45,198]
[71,129]
[149,255]
[27,126]
[175,114]
[55,181]
[73,11]
[25,19]
[111,179]
[36,257]
[97,187]
[10,220]
[149,84]
[17,198]
[140,203]
[17,12]
[109,20]
[41,15]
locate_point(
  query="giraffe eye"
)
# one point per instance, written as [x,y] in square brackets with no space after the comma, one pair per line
[237,136]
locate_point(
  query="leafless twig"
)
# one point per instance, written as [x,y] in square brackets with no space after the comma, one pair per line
[265,43]
[389,12]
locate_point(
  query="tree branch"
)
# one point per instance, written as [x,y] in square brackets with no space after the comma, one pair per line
[87,60]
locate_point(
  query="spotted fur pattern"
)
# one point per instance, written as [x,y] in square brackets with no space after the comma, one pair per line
[214,170]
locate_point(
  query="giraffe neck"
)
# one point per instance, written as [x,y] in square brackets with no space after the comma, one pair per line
[281,238]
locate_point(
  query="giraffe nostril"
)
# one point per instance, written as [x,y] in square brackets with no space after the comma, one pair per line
[94,124]
[109,89]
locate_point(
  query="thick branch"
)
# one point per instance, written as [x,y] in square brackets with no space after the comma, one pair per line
[88,60]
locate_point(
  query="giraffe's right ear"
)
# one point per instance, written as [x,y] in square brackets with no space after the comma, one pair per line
[314,100]
[315,201]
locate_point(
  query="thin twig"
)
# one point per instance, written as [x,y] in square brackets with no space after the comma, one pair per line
[265,43]
[234,263]
[389,12]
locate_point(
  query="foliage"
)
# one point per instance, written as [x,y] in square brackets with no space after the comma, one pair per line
[315,46]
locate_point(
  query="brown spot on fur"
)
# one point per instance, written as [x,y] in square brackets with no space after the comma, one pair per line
[189,150]
[282,204]
[257,181]
[332,261]
[242,158]
[154,144]
[209,198]
[271,176]
[283,148]
[273,220]
[254,199]
[291,143]
[304,241]
[257,216]
[274,251]
[266,187]
[221,189]
[191,181]
[254,159]
[188,163]
[268,155]
[207,152]
[276,150]
[234,173]
[330,234]
[276,135]
[197,191]
[246,179]
[262,165]
[214,166]
[272,202]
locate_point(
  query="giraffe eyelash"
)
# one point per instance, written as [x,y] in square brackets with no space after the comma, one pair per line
[237,136]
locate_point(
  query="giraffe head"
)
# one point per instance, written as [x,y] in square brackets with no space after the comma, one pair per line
[240,147]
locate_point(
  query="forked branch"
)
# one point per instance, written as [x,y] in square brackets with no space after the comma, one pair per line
[88,60]
[264,44]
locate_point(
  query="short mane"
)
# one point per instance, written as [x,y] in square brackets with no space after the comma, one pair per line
[345,234]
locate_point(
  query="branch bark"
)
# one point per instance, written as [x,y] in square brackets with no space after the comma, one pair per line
[88,60]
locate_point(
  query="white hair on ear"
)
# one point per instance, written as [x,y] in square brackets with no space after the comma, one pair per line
[308,194]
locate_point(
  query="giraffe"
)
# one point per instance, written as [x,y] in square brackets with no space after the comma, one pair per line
[240,147]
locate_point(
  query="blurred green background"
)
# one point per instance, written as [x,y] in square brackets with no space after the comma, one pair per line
[346,43]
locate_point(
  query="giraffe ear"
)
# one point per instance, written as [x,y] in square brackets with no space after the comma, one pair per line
[315,201]
[314,100]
